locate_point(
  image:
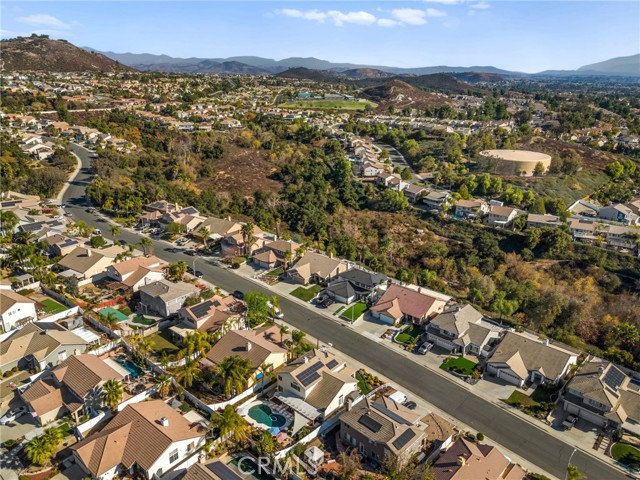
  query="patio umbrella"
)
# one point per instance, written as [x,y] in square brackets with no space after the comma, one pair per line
[274,431]
[282,437]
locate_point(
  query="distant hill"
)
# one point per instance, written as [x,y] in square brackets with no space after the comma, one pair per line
[362,73]
[478,77]
[302,73]
[401,95]
[39,53]
[615,66]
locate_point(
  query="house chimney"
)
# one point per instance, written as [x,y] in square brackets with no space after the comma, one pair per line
[306,359]
[248,346]
[349,404]
[164,421]
[462,461]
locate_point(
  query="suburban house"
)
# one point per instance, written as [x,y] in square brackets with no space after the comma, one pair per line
[276,253]
[537,220]
[87,263]
[583,229]
[618,213]
[500,216]
[10,200]
[459,329]
[316,268]
[217,228]
[15,310]
[382,428]
[210,316]
[235,245]
[519,359]
[145,439]
[74,387]
[59,244]
[401,304]
[603,394]
[164,297]
[262,346]
[437,198]
[320,379]
[355,285]
[39,346]
[213,470]
[466,460]
[136,272]
[162,206]
[471,209]
[414,192]
[619,236]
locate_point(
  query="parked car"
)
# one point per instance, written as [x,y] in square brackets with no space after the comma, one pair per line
[12,415]
[410,405]
[569,422]
[191,253]
[199,274]
[190,270]
[97,231]
[238,294]
[424,348]
[275,312]
[90,210]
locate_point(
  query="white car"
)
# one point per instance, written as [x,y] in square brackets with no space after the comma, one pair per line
[277,314]
[12,415]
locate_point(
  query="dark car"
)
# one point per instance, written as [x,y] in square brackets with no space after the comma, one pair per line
[238,294]
[123,242]
[199,274]
[190,270]
[191,253]
[410,405]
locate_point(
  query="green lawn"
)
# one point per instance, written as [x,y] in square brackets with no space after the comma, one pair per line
[52,307]
[306,294]
[328,104]
[627,454]
[275,272]
[354,311]
[66,430]
[162,343]
[142,321]
[126,310]
[363,386]
[458,365]
[519,399]
[409,334]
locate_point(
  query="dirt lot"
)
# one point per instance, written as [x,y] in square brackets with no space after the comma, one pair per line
[242,171]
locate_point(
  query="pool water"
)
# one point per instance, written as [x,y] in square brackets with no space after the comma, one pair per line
[263,414]
[249,465]
[118,315]
[132,368]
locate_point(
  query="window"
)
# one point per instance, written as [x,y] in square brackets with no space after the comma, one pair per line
[173,456]
[280,377]
[340,399]
[295,387]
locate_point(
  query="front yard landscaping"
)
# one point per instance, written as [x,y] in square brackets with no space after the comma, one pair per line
[161,342]
[409,334]
[459,365]
[52,307]
[538,405]
[367,381]
[626,454]
[354,311]
[275,272]
[307,294]
[142,320]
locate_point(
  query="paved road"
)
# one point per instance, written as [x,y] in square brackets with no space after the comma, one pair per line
[521,437]
[397,159]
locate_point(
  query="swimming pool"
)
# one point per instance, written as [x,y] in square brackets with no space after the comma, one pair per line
[132,368]
[117,314]
[263,414]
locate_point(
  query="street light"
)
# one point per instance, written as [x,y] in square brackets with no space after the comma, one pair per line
[566,475]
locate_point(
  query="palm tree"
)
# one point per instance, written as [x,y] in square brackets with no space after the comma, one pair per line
[163,385]
[109,320]
[233,372]
[112,393]
[165,359]
[188,373]
[205,233]
[8,222]
[231,425]
[283,331]
[53,436]
[177,270]
[24,236]
[38,450]
[287,259]
[247,237]
[115,230]
[147,246]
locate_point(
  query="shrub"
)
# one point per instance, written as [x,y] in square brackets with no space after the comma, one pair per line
[480,436]
[235,265]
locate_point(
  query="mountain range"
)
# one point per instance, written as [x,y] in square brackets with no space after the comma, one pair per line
[620,66]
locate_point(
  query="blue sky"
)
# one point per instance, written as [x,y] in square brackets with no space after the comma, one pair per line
[515,35]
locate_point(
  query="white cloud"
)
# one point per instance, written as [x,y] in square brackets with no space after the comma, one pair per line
[360,18]
[410,16]
[445,2]
[43,20]
[481,5]
[387,22]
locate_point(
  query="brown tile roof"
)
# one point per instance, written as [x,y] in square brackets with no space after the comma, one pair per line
[409,301]
[8,298]
[82,373]
[264,342]
[43,397]
[135,436]
[469,461]
[131,265]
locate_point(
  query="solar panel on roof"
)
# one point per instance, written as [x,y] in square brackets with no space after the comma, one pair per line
[614,378]
[332,364]
[370,423]
[403,439]
[201,309]
[310,375]
[222,471]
